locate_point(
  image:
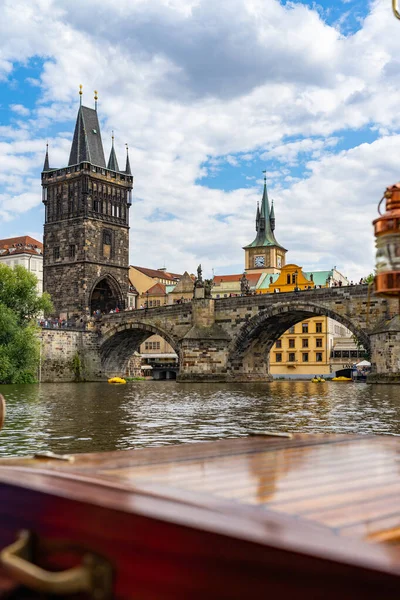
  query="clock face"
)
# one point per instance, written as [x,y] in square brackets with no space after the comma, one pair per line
[259,261]
[279,261]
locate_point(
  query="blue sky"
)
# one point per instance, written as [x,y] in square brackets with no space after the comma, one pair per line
[208,96]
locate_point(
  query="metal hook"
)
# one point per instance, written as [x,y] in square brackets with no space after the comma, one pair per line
[395,7]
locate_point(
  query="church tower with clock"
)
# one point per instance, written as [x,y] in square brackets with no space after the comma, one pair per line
[264,254]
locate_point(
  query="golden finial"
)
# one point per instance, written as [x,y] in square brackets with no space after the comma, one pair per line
[80,94]
[112,137]
[95,99]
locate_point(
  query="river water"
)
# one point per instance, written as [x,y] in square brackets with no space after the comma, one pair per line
[94,417]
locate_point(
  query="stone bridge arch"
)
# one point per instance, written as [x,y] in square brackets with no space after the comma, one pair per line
[249,350]
[120,342]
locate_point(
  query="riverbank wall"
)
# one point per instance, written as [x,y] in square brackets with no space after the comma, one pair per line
[69,355]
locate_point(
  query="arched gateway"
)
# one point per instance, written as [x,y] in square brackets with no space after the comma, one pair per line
[106,295]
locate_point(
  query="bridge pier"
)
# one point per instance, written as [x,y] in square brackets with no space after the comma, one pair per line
[385,352]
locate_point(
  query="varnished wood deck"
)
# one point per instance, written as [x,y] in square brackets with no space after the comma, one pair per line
[245,518]
[349,484]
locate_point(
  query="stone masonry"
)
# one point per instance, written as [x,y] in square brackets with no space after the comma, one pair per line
[70,356]
[229,339]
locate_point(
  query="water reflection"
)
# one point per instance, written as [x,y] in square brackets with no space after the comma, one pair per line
[95,417]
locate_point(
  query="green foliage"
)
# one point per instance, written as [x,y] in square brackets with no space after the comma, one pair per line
[19,342]
[369,278]
[77,367]
[18,292]
[135,378]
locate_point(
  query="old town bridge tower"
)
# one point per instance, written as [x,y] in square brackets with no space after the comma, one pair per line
[86,231]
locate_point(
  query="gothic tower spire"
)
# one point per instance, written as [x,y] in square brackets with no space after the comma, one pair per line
[87,145]
[46,166]
[112,161]
[128,166]
[272,216]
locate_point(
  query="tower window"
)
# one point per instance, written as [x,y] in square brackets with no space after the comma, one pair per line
[107,243]
[288,278]
[304,327]
[56,252]
[72,251]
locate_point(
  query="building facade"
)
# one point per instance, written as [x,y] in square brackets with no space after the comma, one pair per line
[26,252]
[86,231]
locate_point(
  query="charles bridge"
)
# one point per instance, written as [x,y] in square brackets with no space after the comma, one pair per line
[226,339]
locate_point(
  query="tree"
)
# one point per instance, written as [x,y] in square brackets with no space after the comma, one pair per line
[20,305]
[369,278]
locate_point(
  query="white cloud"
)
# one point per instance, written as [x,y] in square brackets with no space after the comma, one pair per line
[20,109]
[195,85]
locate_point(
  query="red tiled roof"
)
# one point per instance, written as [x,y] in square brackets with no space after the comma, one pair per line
[251,277]
[23,244]
[157,273]
[158,289]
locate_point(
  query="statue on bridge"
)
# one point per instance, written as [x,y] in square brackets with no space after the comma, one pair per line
[202,288]
[244,285]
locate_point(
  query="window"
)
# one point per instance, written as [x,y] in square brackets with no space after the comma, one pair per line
[318,356]
[293,278]
[56,252]
[278,357]
[291,329]
[96,205]
[318,327]
[288,279]
[278,344]
[318,342]
[305,356]
[304,327]
[72,250]
[292,357]
[291,342]
[152,345]
[107,239]
[304,343]
[33,265]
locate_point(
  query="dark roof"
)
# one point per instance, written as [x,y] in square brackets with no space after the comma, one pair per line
[112,161]
[86,144]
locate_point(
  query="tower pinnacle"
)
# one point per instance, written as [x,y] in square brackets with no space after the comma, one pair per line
[46,159]
[128,166]
[112,161]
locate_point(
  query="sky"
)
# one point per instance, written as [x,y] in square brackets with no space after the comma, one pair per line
[208,95]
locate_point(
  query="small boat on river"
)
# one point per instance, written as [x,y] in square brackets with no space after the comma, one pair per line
[265,515]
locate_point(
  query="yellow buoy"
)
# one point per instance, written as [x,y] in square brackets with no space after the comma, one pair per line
[342,378]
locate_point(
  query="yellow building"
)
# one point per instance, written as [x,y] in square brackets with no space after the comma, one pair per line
[306,348]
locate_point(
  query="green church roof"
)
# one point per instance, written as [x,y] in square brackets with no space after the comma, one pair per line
[265,235]
[319,277]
